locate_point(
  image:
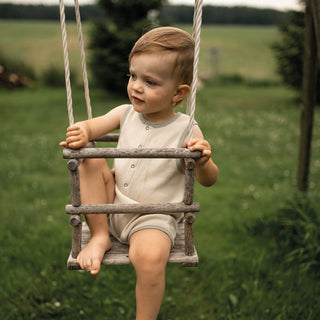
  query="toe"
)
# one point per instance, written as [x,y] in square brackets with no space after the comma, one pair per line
[95,268]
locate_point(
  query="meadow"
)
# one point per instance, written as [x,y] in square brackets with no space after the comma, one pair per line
[257,241]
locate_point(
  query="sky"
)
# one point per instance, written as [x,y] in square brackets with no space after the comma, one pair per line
[275,4]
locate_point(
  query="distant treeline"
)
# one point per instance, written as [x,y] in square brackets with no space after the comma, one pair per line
[224,15]
[41,12]
[169,13]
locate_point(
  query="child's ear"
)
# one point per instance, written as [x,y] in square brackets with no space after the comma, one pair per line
[181,92]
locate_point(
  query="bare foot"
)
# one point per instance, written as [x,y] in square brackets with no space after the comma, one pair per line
[91,256]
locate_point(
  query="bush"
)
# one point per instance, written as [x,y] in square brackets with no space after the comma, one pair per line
[289,51]
[298,235]
[54,77]
[295,231]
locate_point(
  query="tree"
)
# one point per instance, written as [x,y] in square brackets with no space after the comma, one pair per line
[113,37]
[311,60]
[289,50]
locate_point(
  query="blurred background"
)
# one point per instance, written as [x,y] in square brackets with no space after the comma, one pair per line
[258,232]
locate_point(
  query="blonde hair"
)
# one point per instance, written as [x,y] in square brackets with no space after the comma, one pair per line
[173,40]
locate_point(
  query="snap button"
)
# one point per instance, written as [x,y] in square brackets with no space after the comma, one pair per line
[147,128]
[139,146]
[125,185]
[133,166]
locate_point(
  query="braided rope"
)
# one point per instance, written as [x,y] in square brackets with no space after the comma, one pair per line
[83,60]
[196,31]
[191,104]
[66,62]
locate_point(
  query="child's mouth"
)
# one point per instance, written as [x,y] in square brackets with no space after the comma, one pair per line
[137,100]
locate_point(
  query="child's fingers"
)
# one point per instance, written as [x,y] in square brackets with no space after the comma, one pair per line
[73,127]
[74,131]
[74,143]
[199,144]
[63,143]
[203,146]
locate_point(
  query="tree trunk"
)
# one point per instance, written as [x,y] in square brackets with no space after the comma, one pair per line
[315,7]
[308,97]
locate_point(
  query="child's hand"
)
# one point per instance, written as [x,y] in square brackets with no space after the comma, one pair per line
[203,146]
[76,138]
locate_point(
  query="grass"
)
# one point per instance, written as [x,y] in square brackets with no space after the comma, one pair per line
[244,270]
[42,41]
[250,58]
[242,50]
[239,277]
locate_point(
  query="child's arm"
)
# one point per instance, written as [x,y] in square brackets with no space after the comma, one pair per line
[79,134]
[206,170]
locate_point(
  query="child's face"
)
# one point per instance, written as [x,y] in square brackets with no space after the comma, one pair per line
[152,87]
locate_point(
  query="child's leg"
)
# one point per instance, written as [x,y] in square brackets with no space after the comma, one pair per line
[97,186]
[149,253]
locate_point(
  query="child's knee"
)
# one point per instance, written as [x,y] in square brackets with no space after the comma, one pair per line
[96,167]
[149,259]
[94,164]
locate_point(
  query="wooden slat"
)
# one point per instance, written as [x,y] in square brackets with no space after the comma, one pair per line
[130,153]
[164,208]
[119,253]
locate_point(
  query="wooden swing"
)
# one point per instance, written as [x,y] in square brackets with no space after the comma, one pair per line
[184,251]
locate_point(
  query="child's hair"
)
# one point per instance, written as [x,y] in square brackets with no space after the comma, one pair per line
[169,39]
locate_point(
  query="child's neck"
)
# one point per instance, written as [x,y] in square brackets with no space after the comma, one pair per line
[154,118]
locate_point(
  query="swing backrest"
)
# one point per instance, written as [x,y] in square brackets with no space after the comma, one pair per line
[184,251]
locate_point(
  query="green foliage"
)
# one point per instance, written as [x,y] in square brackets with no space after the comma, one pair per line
[289,50]
[295,231]
[55,77]
[113,38]
[45,12]
[238,15]
[298,235]
[178,14]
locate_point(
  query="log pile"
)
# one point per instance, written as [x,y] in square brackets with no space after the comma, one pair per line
[12,80]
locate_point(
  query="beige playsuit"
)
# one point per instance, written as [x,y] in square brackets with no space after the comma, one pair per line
[148,180]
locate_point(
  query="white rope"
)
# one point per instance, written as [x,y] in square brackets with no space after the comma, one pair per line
[66,62]
[196,31]
[83,60]
[191,104]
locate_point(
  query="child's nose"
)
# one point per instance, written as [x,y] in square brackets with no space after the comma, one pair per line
[137,85]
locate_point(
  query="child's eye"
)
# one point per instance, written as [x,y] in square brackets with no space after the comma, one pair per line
[132,76]
[150,82]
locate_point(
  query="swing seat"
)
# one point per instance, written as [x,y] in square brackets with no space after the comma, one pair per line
[183,252]
[119,253]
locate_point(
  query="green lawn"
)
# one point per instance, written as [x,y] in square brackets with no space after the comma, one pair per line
[254,132]
[242,50]
[241,233]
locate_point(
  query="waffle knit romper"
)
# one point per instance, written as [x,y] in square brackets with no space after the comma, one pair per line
[148,180]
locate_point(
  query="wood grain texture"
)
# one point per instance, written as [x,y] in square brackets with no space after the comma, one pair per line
[164,208]
[119,253]
[130,153]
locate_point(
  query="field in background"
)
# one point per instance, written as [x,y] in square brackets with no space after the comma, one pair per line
[241,50]
[244,272]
